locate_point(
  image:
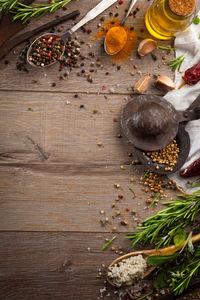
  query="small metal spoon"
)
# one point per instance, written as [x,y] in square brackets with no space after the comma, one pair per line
[122,24]
[146,253]
[93,13]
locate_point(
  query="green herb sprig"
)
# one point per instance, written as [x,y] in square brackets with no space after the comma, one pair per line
[108,243]
[163,226]
[178,269]
[166,48]
[25,12]
[6,5]
[196,20]
[176,63]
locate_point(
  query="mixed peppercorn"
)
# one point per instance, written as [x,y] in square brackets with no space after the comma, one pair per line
[46,50]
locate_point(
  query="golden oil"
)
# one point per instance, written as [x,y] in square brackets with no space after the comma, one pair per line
[164,20]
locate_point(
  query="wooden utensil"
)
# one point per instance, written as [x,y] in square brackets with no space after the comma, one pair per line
[146,253]
[10,44]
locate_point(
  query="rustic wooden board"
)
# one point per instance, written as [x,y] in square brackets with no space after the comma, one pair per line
[63,132]
[43,266]
[120,81]
[53,265]
[55,180]
[49,179]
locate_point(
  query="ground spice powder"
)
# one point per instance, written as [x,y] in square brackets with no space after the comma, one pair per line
[131,37]
[182,7]
[115,39]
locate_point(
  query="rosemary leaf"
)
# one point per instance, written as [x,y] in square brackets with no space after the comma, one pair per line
[132,191]
[166,48]
[25,12]
[176,63]
[162,227]
[154,199]
[108,243]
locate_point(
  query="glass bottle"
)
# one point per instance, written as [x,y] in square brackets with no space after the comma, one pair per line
[165,19]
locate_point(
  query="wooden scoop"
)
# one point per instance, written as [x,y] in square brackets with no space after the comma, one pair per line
[146,253]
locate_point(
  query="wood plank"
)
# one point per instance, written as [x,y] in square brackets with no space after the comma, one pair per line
[69,198]
[52,265]
[56,265]
[49,179]
[120,81]
[41,126]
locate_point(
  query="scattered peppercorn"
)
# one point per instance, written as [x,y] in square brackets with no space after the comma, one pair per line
[46,50]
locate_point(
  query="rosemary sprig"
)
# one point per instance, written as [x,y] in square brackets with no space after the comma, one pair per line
[176,63]
[6,5]
[25,12]
[162,227]
[178,269]
[180,279]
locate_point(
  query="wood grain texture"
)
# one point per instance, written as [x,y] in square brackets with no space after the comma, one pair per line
[53,174]
[57,266]
[55,180]
[53,265]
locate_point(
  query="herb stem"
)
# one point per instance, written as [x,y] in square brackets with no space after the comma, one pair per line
[132,191]
[108,243]
[166,48]
[154,199]
[145,296]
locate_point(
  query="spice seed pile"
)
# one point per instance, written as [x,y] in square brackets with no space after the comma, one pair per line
[167,156]
[46,50]
[155,184]
[72,52]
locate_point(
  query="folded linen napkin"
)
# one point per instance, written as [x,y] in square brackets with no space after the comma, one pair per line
[187,43]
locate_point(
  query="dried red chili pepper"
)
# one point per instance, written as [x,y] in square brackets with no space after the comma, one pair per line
[192,170]
[192,75]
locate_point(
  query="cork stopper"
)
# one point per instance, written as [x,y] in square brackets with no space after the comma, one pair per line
[182,7]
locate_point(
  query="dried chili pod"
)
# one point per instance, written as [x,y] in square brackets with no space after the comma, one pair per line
[192,75]
[192,170]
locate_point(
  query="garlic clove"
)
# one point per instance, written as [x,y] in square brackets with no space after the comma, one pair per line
[165,83]
[143,84]
[146,46]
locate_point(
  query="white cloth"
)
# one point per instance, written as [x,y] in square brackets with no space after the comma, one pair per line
[187,42]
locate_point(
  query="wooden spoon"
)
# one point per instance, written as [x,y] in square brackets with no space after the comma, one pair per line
[146,253]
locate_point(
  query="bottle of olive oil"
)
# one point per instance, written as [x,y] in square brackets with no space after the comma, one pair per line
[165,19]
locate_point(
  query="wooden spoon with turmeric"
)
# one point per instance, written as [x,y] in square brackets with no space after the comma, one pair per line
[146,253]
[116,36]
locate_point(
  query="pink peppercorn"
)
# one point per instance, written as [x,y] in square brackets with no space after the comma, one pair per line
[89,31]
[121,2]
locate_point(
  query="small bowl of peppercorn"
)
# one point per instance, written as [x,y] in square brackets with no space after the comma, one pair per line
[46,50]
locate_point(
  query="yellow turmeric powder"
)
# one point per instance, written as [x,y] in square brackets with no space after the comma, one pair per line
[116,39]
[130,43]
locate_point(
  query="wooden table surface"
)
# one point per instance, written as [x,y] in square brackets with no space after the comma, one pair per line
[57,184]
